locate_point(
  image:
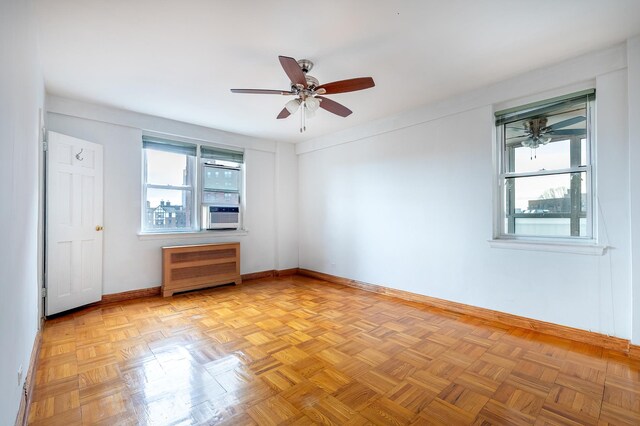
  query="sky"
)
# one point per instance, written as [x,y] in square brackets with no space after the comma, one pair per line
[165,168]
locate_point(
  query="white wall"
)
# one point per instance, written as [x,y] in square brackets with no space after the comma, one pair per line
[21,97]
[131,262]
[633,55]
[406,202]
[286,206]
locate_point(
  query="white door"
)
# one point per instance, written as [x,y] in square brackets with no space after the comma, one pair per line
[74,223]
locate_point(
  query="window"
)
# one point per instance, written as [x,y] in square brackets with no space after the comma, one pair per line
[176,180]
[168,185]
[545,169]
[221,188]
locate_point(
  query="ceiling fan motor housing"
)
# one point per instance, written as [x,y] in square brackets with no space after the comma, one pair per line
[306,66]
[312,82]
[536,126]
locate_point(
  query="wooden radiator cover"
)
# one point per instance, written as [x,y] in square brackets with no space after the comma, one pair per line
[199,266]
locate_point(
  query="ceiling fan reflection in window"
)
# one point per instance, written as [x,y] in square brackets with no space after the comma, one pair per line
[308,90]
[536,132]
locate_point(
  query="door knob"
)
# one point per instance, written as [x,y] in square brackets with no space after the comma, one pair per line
[99,228]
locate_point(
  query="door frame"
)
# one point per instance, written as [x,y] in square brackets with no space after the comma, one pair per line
[43,284]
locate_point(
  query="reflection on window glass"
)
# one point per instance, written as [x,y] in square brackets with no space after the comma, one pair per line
[554,155]
[544,142]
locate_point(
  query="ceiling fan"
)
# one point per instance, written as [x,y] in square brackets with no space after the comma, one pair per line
[536,131]
[308,90]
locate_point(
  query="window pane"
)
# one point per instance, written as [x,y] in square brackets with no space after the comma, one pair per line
[216,197]
[168,209]
[167,168]
[544,143]
[221,179]
[554,155]
[552,205]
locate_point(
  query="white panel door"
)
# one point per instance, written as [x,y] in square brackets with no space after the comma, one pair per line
[74,223]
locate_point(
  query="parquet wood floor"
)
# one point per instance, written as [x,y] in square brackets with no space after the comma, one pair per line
[299,351]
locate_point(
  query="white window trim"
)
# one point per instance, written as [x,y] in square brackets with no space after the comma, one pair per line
[562,246]
[192,234]
[579,245]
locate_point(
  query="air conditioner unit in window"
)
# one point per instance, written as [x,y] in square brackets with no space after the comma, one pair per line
[222,217]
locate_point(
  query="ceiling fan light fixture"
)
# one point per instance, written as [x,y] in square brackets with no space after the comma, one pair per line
[535,141]
[310,113]
[293,105]
[312,103]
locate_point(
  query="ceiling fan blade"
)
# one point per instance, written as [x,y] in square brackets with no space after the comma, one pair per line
[566,123]
[293,70]
[568,132]
[350,85]
[518,136]
[283,114]
[333,106]
[262,91]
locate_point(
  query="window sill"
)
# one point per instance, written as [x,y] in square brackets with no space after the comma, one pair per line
[191,234]
[557,247]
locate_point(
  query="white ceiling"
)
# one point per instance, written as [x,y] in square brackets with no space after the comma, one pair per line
[178,59]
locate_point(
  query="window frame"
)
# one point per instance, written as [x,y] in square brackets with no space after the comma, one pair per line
[191,169]
[204,162]
[501,174]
